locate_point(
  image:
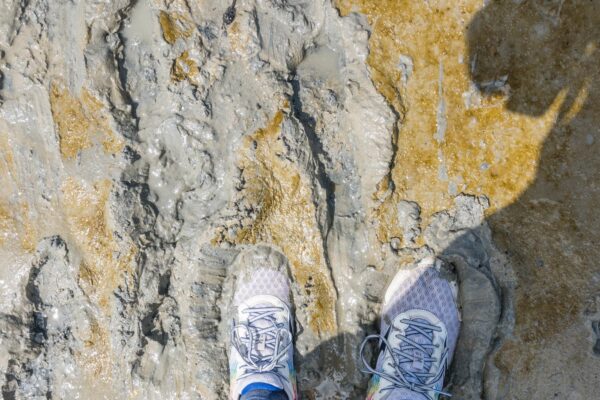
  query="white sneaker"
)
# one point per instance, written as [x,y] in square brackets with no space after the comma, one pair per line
[262,328]
[419,328]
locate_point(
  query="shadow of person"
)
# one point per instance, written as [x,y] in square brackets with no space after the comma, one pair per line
[547,51]
[332,369]
[336,368]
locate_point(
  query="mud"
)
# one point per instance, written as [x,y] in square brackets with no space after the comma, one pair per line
[144,144]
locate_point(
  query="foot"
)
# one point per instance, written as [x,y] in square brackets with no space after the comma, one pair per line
[261,356]
[419,329]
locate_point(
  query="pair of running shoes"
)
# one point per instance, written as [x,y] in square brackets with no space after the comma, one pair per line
[418,332]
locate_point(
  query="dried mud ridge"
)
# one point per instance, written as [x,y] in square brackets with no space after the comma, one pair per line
[150,142]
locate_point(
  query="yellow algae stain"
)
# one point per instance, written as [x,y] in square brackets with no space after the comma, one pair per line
[104,265]
[7,165]
[7,169]
[81,121]
[16,225]
[233,34]
[185,68]
[15,215]
[7,223]
[242,41]
[286,217]
[97,357]
[577,105]
[103,262]
[450,139]
[28,231]
[174,26]
[73,127]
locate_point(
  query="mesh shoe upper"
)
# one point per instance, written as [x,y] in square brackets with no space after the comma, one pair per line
[419,329]
[262,281]
[262,326]
[427,286]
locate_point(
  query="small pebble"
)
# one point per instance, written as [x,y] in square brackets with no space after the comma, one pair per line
[589,139]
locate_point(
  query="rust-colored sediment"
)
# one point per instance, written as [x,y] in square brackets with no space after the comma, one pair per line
[286,217]
[175,25]
[485,149]
[241,40]
[97,356]
[81,122]
[16,225]
[185,68]
[105,263]
[7,223]
[7,170]
[28,232]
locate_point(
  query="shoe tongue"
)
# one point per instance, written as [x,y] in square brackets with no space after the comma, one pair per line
[263,324]
[260,344]
[417,363]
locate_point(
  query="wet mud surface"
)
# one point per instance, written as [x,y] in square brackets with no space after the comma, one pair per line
[145,144]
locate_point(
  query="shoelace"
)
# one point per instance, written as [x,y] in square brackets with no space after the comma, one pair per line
[262,330]
[420,382]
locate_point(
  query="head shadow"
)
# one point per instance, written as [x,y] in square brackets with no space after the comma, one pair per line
[540,53]
[539,47]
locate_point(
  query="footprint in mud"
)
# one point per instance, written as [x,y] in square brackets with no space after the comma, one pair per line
[460,237]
